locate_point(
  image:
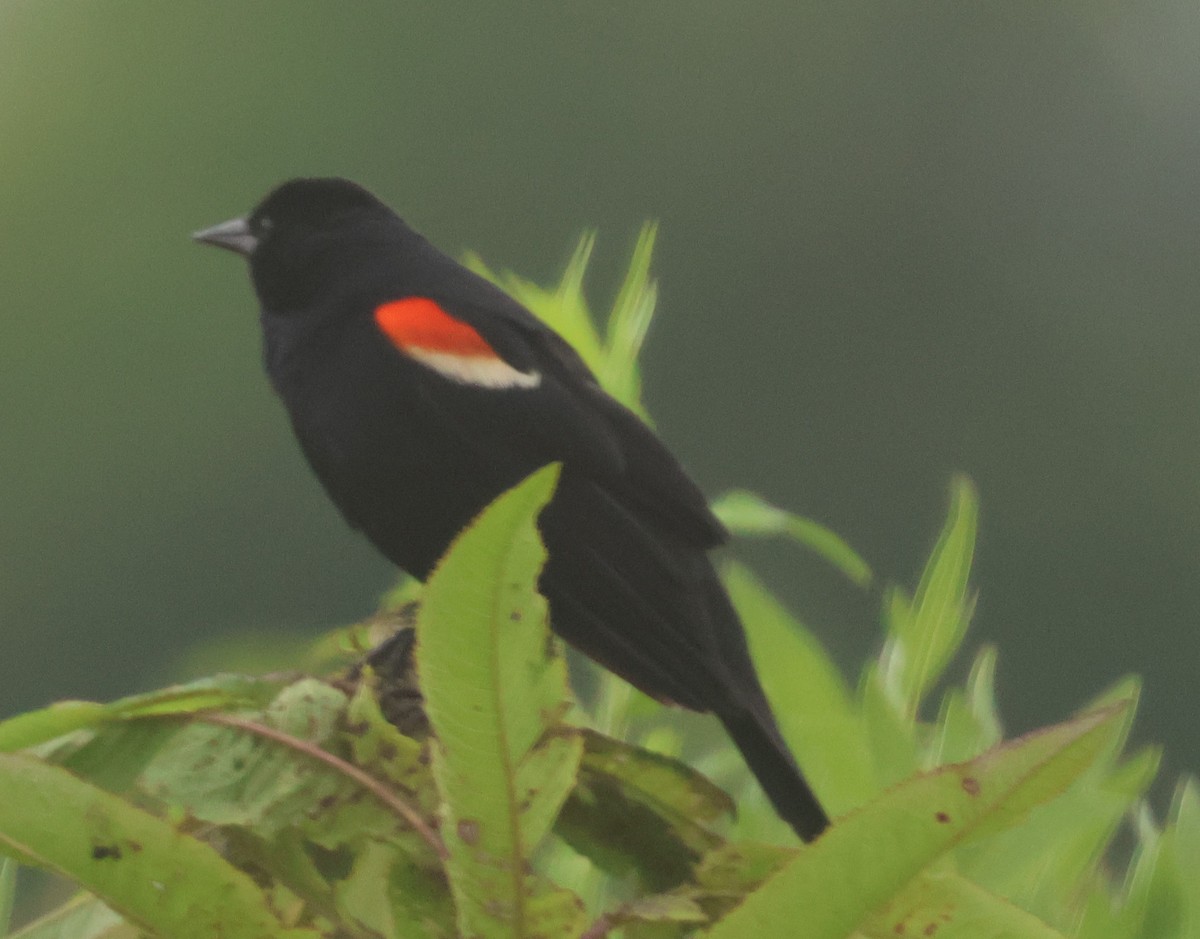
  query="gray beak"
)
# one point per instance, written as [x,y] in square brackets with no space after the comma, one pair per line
[233,235]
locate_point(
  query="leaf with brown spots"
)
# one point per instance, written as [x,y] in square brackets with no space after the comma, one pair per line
[873,855]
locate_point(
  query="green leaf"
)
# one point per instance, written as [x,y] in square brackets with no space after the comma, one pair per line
[950,907]
[1051,859]
[981,695]
[386,894]
[745,513]
[165,882]
[220,691]
[872,855]
[8,892]
[808,694]
[628,324]
[634,811]
[1154,899]
[228,776]
[727,874]
[421,902]
[495,688]
[82,917]
[925,632]
[564,309]
[378,747]
[658,909]
[1185,823]
[967,724]
[35,727]
[894,746]
[567,312]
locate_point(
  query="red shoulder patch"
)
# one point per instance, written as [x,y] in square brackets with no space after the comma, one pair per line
[426,333]
[418,323]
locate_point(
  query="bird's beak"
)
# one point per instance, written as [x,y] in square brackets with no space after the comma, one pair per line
[233,235]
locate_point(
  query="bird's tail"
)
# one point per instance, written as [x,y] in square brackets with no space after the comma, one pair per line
[761,744]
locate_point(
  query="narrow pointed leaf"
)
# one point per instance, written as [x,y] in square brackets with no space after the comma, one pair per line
[924,633]
[745,513]
[222,691]
[894,746]
[874,854]
[8,892]
[1185,822]
[628,324]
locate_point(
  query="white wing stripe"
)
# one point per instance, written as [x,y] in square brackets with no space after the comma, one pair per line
[484,371]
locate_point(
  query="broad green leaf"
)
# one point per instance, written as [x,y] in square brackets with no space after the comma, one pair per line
[872,855]
[950,907]
[82,917]
[495,688]
[745,513]
[1045,863]
[637,811]
[166,882]
[808,694]
[229,776]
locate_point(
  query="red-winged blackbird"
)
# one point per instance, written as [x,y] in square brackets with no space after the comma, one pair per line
[419,392]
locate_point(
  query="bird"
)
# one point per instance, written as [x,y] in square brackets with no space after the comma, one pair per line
[419,391]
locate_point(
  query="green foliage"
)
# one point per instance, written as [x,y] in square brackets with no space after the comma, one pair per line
[8,891]
[503,760]
[158,877]
[314,806]
[613,355]
[745,513]
[909,830]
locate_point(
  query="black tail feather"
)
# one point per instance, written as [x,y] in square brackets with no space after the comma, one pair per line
[768,757]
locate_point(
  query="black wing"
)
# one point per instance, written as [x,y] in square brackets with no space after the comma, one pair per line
[644,474]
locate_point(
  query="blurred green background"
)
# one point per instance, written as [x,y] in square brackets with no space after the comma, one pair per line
[898,239]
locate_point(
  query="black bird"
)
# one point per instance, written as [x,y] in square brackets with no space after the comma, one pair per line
[419,392]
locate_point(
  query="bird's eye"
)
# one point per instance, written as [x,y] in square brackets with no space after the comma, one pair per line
[264,225]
